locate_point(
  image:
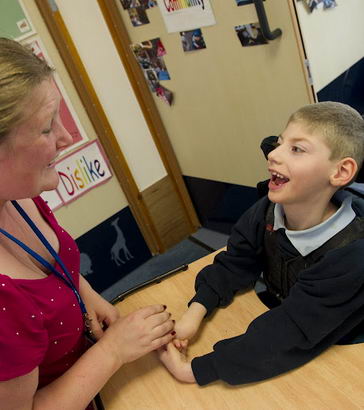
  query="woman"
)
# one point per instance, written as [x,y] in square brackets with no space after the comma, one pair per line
[44,363]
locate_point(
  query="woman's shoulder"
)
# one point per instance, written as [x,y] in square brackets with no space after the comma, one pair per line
[41,204]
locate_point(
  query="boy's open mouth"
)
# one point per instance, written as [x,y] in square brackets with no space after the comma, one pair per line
[278,179]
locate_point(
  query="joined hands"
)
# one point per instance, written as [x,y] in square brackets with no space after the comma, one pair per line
[174,354]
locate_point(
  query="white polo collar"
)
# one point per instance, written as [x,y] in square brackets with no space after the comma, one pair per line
[308,240]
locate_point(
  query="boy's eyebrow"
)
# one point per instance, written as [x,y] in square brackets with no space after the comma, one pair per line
[296,139]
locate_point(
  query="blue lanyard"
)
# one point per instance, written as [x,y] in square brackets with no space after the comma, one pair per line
[67,279]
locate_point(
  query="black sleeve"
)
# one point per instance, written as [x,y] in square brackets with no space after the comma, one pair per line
[237,268]
[324,305]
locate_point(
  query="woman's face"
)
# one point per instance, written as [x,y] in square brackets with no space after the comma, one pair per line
[28,152]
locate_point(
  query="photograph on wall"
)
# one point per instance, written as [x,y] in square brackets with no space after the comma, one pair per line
[165,94]
[192,40]
[148,3]
[154,48]
[312,5]
[138,16]
[329,4]
[14,20]
[244,2]
[132,4]
[67,113]
[152,79]
[182,15]
[149,55]
[250,35]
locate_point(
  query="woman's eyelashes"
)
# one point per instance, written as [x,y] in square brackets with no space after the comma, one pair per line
[47,130]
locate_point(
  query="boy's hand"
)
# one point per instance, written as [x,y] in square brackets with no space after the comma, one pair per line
[181,345]
[176,362]
[189,323]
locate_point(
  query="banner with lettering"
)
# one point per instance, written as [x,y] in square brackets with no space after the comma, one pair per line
[182,15]
[81,171]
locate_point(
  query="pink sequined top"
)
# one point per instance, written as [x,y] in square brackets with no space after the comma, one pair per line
[40,319]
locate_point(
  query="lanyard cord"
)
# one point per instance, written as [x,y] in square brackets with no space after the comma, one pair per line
[68,279]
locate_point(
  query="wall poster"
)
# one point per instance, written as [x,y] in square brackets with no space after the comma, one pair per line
[14,21]
[67,112]
[81,171]
[182,15]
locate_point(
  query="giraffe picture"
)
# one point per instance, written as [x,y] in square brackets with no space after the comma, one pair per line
[112,249]
[119,245]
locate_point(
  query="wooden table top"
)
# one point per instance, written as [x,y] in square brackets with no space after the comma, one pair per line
[334,380]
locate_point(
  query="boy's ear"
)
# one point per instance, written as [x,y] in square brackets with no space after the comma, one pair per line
[344,172]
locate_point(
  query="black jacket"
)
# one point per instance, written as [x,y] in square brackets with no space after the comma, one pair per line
[324,305]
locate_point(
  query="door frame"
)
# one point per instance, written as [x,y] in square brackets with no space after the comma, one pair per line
[138,205]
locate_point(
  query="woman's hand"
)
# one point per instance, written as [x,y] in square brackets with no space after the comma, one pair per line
[176,362]
[138,333]
[101,312]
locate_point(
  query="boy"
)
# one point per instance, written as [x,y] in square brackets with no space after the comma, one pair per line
[307,237]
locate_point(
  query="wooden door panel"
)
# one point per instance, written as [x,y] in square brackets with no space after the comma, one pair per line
[229,97]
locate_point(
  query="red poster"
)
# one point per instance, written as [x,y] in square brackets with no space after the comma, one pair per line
[68,119]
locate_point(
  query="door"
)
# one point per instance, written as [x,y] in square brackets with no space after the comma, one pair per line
[341,46]
[227,97]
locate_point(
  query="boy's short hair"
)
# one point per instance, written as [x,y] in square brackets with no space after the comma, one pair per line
[341,126]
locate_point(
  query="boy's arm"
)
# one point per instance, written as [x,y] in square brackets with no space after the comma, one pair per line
[187,326]
[323,306]
[239,266]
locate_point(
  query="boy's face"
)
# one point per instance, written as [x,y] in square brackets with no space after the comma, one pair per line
[300,167]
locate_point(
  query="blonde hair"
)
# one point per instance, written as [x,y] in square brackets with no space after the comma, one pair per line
[20,72]
[340,125]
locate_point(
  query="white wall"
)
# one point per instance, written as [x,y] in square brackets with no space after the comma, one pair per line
[103,201]
[94,44]
[333,38]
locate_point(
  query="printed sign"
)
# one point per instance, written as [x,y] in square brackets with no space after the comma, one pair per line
[81,171]
[182,15]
